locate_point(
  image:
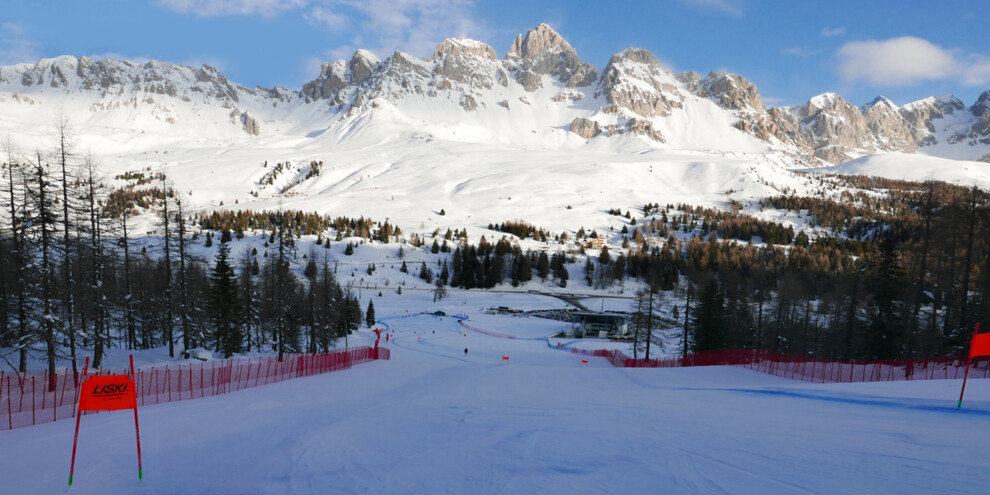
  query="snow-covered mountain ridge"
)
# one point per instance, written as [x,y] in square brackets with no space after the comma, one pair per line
[487,139]
[633,94]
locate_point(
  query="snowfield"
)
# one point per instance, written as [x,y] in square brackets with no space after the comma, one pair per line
[437,420]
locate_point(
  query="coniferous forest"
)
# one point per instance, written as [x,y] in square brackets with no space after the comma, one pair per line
[74,275]
[887,269]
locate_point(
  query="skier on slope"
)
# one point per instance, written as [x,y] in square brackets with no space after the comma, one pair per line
[465,351]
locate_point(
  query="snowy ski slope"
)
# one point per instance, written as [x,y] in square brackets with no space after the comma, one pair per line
[434,420]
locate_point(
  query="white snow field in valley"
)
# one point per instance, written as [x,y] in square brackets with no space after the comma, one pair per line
[436,420]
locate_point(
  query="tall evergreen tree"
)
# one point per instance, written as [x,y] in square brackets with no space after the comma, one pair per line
[709,332]
[369,318]
[225,305]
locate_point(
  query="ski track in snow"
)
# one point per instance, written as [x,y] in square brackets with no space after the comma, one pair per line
[432,420]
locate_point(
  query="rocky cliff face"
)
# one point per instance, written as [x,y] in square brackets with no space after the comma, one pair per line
[154,89]
[731,91]
[890,130]
[635,81]
[110,77]
[543,52]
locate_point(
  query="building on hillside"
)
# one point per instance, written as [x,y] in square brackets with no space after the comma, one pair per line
[600,325]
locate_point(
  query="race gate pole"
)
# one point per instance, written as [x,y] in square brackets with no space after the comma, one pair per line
[75,438]
[137,430]
[969,360]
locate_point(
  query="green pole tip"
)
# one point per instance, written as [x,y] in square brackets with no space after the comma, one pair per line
[140,474]
[959,406]
[70,480]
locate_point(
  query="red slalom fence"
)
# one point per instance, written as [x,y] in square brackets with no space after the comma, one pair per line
[808,369]
[26,398]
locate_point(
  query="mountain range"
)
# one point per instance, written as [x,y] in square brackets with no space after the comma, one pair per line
[542,81]
[372,118]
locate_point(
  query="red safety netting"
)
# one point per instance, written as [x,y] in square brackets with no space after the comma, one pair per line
[808,369]
[32,398]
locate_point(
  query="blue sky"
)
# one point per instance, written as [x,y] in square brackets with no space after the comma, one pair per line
[792,49]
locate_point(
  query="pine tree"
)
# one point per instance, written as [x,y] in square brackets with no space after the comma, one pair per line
[18,254]
[225,306]
[708,322]
[543,266]
[44,223]
[310,272]
[439,291]
[167,259]
[426,274]
[369,318]
[886,276]
[63,153]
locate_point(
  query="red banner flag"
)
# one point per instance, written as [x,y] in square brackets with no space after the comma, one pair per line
[980,345]
[108,393]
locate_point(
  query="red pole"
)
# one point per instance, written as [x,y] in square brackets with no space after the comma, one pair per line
[61,400]
[968,362]
[75,438]
[137,429]
[10,400]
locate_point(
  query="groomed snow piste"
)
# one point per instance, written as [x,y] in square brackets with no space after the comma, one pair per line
[434,420]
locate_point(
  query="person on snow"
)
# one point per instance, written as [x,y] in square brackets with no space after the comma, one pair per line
[465,351]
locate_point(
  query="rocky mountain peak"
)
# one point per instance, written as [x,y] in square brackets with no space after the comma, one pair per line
[834,128]
[634,80]
[471,63]
[982,104]
[539,41]
[339,74]
[459,47]
[544,52]
[731,92]
[636,55]
[362,65]
[880,101]
[889,129]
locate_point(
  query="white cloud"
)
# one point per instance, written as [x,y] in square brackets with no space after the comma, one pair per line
[908,60]
[228,7]
[730,8]
[977,72]
[383,26]
[415,26]
[11,29]
[328,18]
[798,51]
[832,32]
[15,46]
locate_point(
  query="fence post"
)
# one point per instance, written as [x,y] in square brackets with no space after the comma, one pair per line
[44,392]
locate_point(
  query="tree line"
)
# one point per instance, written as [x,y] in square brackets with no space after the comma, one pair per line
[72,274]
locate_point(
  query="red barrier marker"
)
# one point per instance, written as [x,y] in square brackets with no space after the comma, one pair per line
[978,346]
[584,362]
[107,393]
[505,359]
